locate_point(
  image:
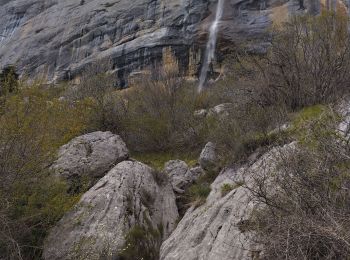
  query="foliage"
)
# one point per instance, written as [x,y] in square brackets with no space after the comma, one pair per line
[8,80]
[34,122]
[242,132]
[153,116]
[307,65]
[199,192]
[160,115]
[226,189]
[96,86]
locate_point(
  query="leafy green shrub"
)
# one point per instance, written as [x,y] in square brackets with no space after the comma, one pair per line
[97,87]
[226,189]
[198,193]
[159,115]
[29,214]
[155,115]
[311,125]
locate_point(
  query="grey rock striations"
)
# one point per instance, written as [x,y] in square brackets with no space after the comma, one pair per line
[59,38]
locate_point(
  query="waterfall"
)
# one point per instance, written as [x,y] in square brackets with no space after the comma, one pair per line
[211,45]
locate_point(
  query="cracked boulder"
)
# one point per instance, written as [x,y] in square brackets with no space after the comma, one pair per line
[131,194]
[91,156]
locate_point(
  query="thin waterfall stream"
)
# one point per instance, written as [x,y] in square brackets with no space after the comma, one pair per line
[211,45]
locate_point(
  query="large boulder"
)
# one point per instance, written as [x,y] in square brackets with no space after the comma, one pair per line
[177,171]
[213,231]
[209,159]
[91,155]
[180,175]
[131,194]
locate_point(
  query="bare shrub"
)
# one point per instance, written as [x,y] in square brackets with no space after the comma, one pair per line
[96,85]
[308,62]
[157,114]
[306,203]
[248,128]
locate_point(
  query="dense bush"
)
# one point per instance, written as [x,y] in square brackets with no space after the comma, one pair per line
[158,114]
[97,87]
[246,129]
[33,124]
[155,115]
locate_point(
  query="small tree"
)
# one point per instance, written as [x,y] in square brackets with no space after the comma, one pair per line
[8,80]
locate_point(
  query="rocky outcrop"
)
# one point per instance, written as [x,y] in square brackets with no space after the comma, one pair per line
[214,230]
[130,194]
[59,38]
[209,159]
[180,175]
[91,155]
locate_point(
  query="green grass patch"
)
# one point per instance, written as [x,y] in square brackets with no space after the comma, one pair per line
[313,124]
[157,160]
[227,188]
[307,114]
[141,243]
[199,192]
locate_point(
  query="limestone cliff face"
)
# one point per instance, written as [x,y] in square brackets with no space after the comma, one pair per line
[58,38]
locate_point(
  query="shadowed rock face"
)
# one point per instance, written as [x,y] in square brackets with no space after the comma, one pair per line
[58,38]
